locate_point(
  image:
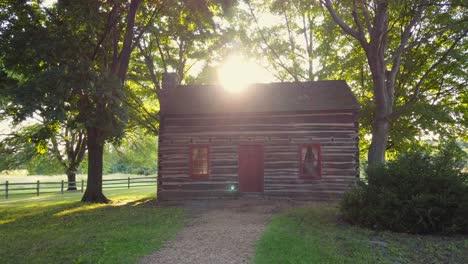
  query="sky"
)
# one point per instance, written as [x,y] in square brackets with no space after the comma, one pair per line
[49,2]
[6,126]
[237,72]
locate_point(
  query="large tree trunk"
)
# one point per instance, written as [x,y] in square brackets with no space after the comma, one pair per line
[71,175]
[383,103]
[378,146]
[93,191]
[374,45]
[383,96]
[119,67]
[381,124]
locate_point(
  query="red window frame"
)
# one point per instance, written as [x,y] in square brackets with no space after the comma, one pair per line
[319,162]
[199,176]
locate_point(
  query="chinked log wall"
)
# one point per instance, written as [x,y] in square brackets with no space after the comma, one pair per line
[281,135]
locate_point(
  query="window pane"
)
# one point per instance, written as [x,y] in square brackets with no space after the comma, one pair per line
[200,160]
[310,162]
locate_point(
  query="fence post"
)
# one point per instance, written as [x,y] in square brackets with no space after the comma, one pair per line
[62,188]
[82,183]
[129,182]
[6,190]
[37,187]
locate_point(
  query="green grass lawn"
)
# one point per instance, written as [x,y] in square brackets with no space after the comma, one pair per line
[315,235]
[59,229]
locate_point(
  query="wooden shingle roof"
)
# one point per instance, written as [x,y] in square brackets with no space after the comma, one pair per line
[259,98]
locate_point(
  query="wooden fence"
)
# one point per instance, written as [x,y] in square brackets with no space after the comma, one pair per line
[38,187]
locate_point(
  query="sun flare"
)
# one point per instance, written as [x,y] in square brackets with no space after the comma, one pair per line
[236,73]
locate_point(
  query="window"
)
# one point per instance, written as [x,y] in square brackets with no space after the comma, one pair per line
[310,161]
[199,161]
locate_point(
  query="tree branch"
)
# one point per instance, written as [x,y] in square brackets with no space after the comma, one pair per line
[77,147]
[81,151]
[111,21]
[124,55]
[367,19]
[150,66]
[288,27]
[145,28]
[417,88]
[405,36]
[362,36]
[280,62]
[308,42]
[339,21]
[148,118]
[56,152]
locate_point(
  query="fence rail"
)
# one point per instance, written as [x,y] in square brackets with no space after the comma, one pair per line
[13,188]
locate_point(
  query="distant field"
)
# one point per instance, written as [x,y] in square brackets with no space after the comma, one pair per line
[57,178]
[21,187]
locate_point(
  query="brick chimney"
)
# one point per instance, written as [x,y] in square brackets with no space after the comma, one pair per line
[169,80]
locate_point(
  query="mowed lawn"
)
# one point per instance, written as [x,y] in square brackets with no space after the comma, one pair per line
[59,229]
[316,235]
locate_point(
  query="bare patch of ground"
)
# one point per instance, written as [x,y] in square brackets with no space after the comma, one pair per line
[220,231]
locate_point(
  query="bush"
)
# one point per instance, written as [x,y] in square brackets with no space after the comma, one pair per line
[416,193]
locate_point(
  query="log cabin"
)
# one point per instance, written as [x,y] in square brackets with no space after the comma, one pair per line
[297,140]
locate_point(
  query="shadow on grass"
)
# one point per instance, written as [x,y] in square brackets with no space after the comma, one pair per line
[317,235]
[74,232]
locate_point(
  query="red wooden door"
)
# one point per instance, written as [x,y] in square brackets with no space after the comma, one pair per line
[251,168]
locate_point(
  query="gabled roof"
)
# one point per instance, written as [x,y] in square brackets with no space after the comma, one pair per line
[259,98]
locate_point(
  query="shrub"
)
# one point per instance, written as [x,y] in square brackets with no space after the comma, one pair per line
[416,193]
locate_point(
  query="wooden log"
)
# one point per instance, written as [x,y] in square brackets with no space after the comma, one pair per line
[302,181]
[257,128]
[183,195]
[252,134]
[200,187]
[224,170]
[338,118]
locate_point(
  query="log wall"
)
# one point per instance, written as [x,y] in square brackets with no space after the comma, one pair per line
[281,135]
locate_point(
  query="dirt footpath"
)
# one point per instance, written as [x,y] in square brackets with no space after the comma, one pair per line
[219,231]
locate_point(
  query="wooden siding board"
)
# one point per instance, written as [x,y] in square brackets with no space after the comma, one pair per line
[280,139]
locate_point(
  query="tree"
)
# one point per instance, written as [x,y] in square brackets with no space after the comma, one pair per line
[74,143]
[390,34]
[291,45]
[81,55]
[136,154]
[18,149]
[48,142]
[184,35]
[71,60]
[440,111]
[119,16]
[440,108]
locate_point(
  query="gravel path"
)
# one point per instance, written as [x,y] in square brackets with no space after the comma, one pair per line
[222,231]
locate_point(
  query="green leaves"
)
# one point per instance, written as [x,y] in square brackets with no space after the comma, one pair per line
[22,149]
[136,154]
[419,192]
[182,38]
[104,108]
[301,42]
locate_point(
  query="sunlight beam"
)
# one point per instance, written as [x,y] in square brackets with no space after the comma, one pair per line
[236,73]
